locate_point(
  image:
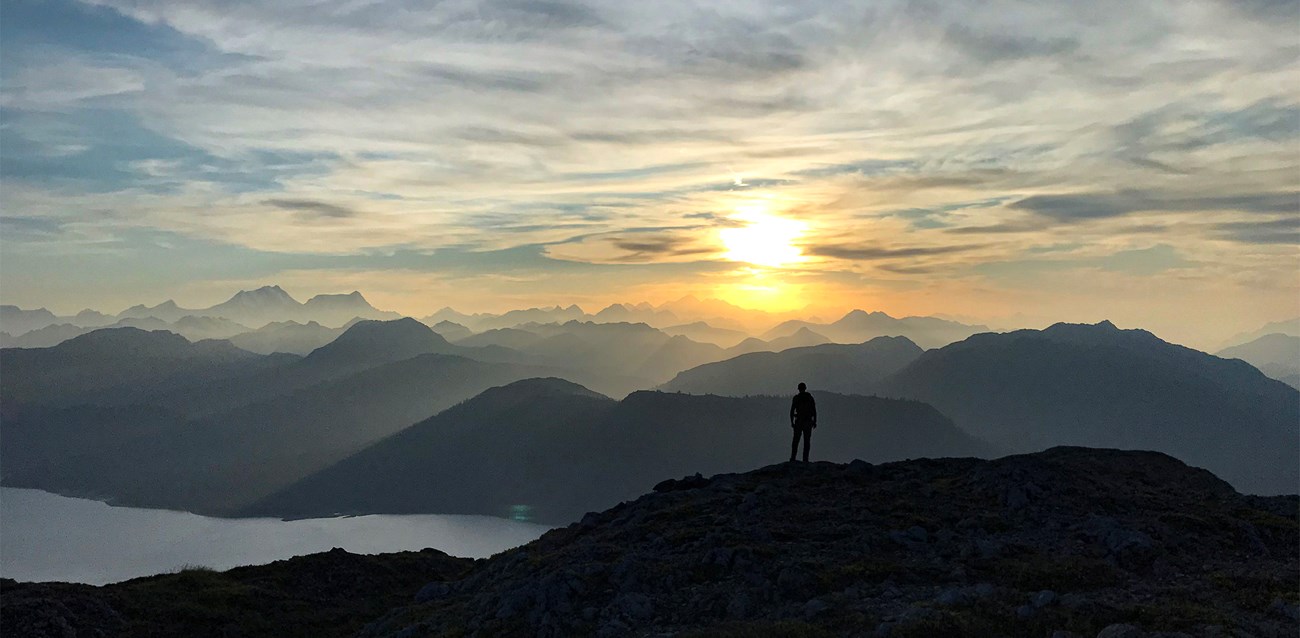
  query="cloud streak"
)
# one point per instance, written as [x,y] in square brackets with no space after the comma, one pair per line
[891,128]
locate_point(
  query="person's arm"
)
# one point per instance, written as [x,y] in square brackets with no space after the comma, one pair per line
[794,403]
[812,410]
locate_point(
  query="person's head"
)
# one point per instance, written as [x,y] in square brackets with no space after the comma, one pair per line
[802,386]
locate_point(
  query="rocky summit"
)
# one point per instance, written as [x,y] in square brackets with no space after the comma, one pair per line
[1066,542]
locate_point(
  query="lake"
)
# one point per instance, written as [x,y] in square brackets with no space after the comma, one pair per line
[45,536]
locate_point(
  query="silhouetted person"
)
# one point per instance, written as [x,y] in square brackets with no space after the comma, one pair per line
[803,418]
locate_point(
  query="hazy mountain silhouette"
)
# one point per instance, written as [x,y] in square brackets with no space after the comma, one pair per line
[635,313]
[705,333]
[561,450]
[1276,355]
[17,321]
[115,365]
[363,345]
[88,318]
[633,349]
[269,304]
[165,311]
[719,313]
[369,342]
[451,314]
[556,314]
[286,336]
[516,338]
[51,335]
[1096,385]
[451,331]
[223,460]
[843,368]
[258,307]
[802,337]
[334,310]
[625,356]
[1288,327]
[858,326]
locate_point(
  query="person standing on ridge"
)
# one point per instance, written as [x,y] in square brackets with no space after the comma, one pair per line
[803,418]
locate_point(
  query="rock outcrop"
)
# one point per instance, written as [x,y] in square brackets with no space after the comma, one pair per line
[1077,541]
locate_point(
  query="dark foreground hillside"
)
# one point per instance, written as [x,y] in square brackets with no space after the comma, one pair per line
[1066,542]
[1069,539]
[320,595]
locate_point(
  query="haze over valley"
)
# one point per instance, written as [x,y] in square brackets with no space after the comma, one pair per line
[562,411]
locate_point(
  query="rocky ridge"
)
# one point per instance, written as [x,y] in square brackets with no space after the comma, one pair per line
[1066,542]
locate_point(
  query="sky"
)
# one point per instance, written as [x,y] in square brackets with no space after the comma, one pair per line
[1014,163]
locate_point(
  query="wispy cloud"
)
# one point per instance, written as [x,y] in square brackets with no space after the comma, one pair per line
[376,128]
[310,208]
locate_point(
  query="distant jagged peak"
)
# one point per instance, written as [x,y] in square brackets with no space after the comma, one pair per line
[90,314]
[263,295]
[354,298]
[858,313]
[288,324]
[694,324]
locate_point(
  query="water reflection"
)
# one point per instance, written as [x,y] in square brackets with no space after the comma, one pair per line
[49,537]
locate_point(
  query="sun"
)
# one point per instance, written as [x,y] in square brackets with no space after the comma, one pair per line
[763,240]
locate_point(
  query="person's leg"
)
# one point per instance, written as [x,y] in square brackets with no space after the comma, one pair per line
[807,441]
[794,445]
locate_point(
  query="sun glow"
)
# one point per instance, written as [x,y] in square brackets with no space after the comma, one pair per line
[759,292]
[763,239]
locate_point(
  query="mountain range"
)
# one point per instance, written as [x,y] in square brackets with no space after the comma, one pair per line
[151,418]
[832,367]
[247,309]
[1069,384]
[859,325]
[559,450]
[1275,354]
[147,418]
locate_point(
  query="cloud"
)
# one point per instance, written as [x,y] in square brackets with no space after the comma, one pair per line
[610,133]
[1096,205]
[993,47]
[30,227]
[639,248]
[1137,262]
[1275,231]
[308,208]
[861,252]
